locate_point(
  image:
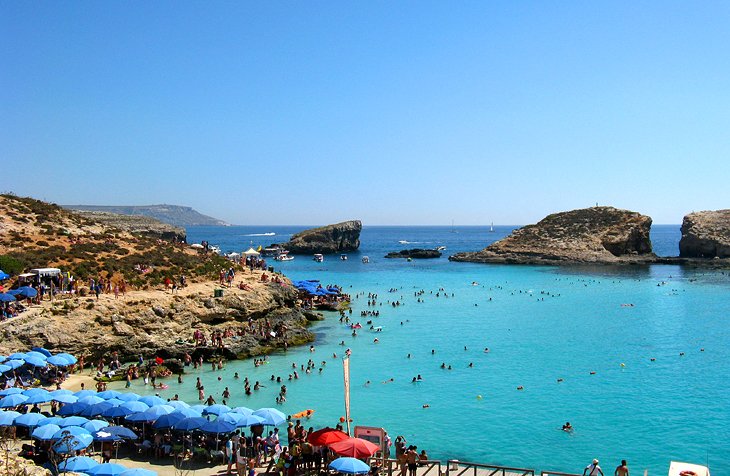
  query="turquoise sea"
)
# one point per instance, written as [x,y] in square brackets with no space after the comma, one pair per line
[540,324]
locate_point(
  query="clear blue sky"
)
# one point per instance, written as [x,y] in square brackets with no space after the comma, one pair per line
[391,112]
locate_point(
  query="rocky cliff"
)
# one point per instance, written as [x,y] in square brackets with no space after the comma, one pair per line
[137,224]
[338,238]
[158,323]
[706,235]
[590,235]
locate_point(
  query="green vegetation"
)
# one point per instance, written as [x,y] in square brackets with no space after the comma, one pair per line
[11,265]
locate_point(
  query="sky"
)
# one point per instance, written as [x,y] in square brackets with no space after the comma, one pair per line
[409,112]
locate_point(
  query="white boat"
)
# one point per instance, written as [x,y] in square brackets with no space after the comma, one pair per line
[440,248]
[318,258]
[343,257]
[491,228]
[677,468]
[284,256]
[365,260]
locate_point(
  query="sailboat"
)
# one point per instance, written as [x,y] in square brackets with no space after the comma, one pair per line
[453,230]
[491,228]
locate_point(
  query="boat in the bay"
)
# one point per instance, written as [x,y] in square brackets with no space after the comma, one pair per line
[318,258]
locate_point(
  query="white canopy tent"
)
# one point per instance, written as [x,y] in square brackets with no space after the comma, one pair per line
[251,252]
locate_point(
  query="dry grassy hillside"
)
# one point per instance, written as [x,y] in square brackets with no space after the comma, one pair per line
[37,234]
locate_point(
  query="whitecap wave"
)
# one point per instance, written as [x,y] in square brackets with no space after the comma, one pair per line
[271,233]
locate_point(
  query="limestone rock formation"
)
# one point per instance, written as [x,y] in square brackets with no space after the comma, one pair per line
[706,235]
[589,235]
[157,323]
[137,224]
[415,253]
[337,238]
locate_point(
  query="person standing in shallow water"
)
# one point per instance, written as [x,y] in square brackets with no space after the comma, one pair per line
[622,469]
[593,469]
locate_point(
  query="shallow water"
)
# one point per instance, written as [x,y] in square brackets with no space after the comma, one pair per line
[541,324]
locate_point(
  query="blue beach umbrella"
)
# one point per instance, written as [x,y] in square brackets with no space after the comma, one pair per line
[178,404]
[349,466]
[5,368]
[153,413]
[54,420]
[69,358]
[187,412]
[73,421]
[13,400]
[152,400]
[37,354]
[96,409]
[73,443]
[91,399]
[3,358]
[137,417]
[217,409]
[7,418]
[30,420]
[39,398]
[135,406]
[70,430]
[17,356]
[57,361]
[45,432]
[218,426]
[138,472]
[5,297]
[107,469]
[34,391]
[73,408]
[95,425]
[64,398]
[128,397]
[189,424]
[250,420]
[116,412]
[24,291]
[78,464]
[108,394]
[198,408]
[42,350]
[114,401]
[271,416]
[61,391]
[10,391]
[84,393]
[242,410]
[121,432]
[233,418]
[167,421]
[14,363]
[35,361]
[104,436]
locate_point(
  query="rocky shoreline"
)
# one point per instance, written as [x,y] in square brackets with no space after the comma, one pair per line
[159,323]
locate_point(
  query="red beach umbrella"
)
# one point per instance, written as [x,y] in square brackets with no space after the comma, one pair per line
[355,448]
[326,436]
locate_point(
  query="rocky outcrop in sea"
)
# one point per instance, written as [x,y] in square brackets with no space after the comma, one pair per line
[337,238]
[589,235]
[415,253]
[706,234]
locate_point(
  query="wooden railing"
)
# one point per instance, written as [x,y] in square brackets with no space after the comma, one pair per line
[462,468]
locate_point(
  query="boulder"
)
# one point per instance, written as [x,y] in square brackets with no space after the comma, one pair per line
[589,235]
[706,235]
[415,253]
[337,238]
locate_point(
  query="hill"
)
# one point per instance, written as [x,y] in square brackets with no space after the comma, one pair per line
[36,234]
[175,215]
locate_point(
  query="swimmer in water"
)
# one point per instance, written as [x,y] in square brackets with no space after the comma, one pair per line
[567,427]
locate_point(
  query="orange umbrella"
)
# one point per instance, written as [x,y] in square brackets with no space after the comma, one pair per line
[354,447]
[326,436]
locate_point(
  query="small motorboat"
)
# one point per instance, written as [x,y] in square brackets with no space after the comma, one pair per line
[284,256]
[318,258]
[365,260]
[343,257]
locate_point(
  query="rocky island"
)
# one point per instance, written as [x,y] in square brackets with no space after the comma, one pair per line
[706,234]
[337,238]
[589,235]
[415,253]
